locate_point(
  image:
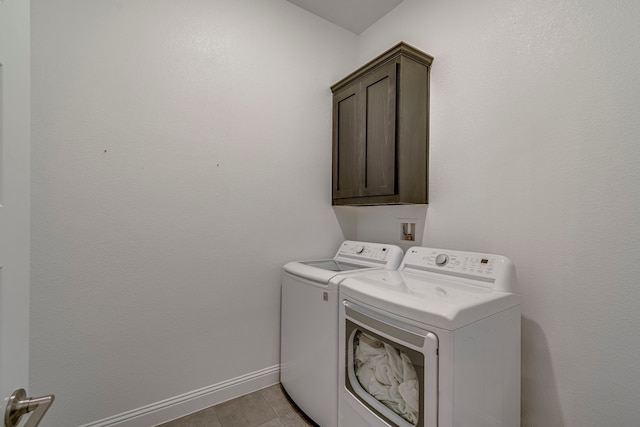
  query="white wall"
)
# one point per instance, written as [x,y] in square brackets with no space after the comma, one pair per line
[181,155]
[534,155]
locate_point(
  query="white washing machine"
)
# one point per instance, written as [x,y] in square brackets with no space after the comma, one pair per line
[309,324]
[434,344]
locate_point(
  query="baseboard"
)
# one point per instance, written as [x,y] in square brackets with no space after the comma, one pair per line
[179,406]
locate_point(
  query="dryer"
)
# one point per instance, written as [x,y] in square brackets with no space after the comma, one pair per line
[434,344]
[309,323]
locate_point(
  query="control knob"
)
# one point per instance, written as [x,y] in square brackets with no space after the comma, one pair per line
[442,259]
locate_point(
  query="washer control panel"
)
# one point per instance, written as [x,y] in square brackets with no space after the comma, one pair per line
[375,252]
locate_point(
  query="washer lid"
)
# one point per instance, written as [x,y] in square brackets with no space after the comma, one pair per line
[323,270]
[333,265]
[352,257]
[439,302]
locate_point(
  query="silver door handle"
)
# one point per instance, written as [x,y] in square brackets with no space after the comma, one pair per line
[19,404]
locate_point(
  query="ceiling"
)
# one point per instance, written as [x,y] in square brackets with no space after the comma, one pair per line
[353,15]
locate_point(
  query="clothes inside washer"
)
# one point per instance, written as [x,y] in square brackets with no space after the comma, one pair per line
[387,374]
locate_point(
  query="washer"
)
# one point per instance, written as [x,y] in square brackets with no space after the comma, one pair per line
[309,324]
[434,344]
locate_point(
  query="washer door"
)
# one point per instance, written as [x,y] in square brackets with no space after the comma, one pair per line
[391,367]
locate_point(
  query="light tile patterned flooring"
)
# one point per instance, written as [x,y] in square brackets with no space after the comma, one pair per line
[268,407]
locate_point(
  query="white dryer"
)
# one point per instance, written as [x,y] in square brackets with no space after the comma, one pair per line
[309,324]
[434,344]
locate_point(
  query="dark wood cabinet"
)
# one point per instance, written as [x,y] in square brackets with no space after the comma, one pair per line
[381,130]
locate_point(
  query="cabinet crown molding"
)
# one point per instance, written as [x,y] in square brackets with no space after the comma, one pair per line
[401,48]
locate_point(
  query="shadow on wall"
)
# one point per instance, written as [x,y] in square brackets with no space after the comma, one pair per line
[347,218]
[540,403]
[382,223]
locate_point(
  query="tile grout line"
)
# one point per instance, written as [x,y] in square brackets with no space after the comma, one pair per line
[275,413]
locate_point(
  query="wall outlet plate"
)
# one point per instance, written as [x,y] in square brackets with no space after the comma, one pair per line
[409,231]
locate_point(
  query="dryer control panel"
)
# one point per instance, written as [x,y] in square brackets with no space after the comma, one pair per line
[475,264]
[493,271]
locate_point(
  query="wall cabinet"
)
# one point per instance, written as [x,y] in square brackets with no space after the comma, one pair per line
[381,130]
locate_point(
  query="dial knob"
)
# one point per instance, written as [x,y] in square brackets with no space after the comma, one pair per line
[442,259]
[359,249]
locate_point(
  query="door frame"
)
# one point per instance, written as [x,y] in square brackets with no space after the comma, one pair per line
[15,147]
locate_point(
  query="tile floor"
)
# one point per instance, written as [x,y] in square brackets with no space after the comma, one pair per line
[268,407]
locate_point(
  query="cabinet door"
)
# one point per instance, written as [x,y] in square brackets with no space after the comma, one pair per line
[378,107]
[348,144]
[364,136]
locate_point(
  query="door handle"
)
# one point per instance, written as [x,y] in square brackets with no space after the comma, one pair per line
[19,404]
